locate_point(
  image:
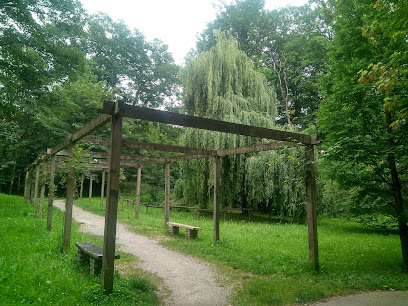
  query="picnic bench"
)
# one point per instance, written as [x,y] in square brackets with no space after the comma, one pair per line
[88,251]
[191,231]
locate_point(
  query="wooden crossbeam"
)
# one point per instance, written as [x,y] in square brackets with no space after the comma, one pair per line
[87,129]
[258,148]
[231,151]
[105,155]
[155,115]
[150,146]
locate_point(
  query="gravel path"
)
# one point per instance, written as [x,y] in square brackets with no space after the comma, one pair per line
[192,281]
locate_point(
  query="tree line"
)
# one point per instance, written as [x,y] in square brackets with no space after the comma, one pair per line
[335,68]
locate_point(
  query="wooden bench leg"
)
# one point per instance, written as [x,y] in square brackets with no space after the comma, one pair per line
[191,233]
[174,230]
[81,256]
[95,266]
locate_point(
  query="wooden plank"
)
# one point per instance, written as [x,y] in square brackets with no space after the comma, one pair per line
[87,129]
[311,208]
[154,115]
[102,187]
[105,156]
[51,193]
[184,226]
[91,126]
[131,144]
[82,186]
[231,151]
[137,203]
[92,250]
[90,187]
[258,148]
[111,211]
[26,186]
[167,195]
[68,209]
[40,209]
[216,198]
[37,174]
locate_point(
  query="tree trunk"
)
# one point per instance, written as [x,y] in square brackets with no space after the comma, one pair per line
[396,186]
[13,176]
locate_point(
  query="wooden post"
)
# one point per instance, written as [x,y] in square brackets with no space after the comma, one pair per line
[68,209]
[167,195]
[51,193]
[37,174]
[90,187]
[103,187]
[26,186]
[40,209]
[32,185]
[137,204]
[82,186]
[311,208]
[111,212]
[216,198]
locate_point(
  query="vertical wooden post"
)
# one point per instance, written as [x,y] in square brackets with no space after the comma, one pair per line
[82,186]
[167,195]
[111,212]
[311,208]
[68,208]
[137,204]
[26,186]
[37,174]
[90,187]
[103,187]
[216,198]
[40,209]
[50,193]
[32,185]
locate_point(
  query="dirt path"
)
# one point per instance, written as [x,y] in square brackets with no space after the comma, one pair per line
[191,281]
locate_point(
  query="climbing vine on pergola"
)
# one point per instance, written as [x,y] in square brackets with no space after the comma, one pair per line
[114,113]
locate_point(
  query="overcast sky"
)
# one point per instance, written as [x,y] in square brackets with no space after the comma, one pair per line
[175,22]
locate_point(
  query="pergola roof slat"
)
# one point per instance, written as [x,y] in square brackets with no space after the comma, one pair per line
[155,115]
[151,146]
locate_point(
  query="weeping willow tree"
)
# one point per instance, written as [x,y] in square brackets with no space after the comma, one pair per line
[222,84]
[275,182]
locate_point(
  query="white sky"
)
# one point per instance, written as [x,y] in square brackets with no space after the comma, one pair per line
[175,22]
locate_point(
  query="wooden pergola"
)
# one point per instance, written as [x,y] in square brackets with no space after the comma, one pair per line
[114,113]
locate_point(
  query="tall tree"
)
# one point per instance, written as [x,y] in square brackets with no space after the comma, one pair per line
[144,72]
[35,54]
[288,45]
[363,149]
[222,84]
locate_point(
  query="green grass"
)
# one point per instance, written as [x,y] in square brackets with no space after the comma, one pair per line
[269,262]
[34,271]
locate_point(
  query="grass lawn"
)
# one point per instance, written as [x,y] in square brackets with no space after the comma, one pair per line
[269,262]
[34,271]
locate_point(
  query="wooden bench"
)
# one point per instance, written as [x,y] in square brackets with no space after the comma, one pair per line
[191,231]
[88,251]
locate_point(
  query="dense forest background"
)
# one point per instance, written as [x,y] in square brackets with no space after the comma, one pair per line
[335,68]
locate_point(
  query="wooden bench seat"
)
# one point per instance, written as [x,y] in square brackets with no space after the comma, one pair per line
[88,251]
[191,231]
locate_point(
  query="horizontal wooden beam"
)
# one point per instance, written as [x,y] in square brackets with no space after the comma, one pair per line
[87,129]
[105,155]
[155,115]
[258,148]
[231,151]
[151,146]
